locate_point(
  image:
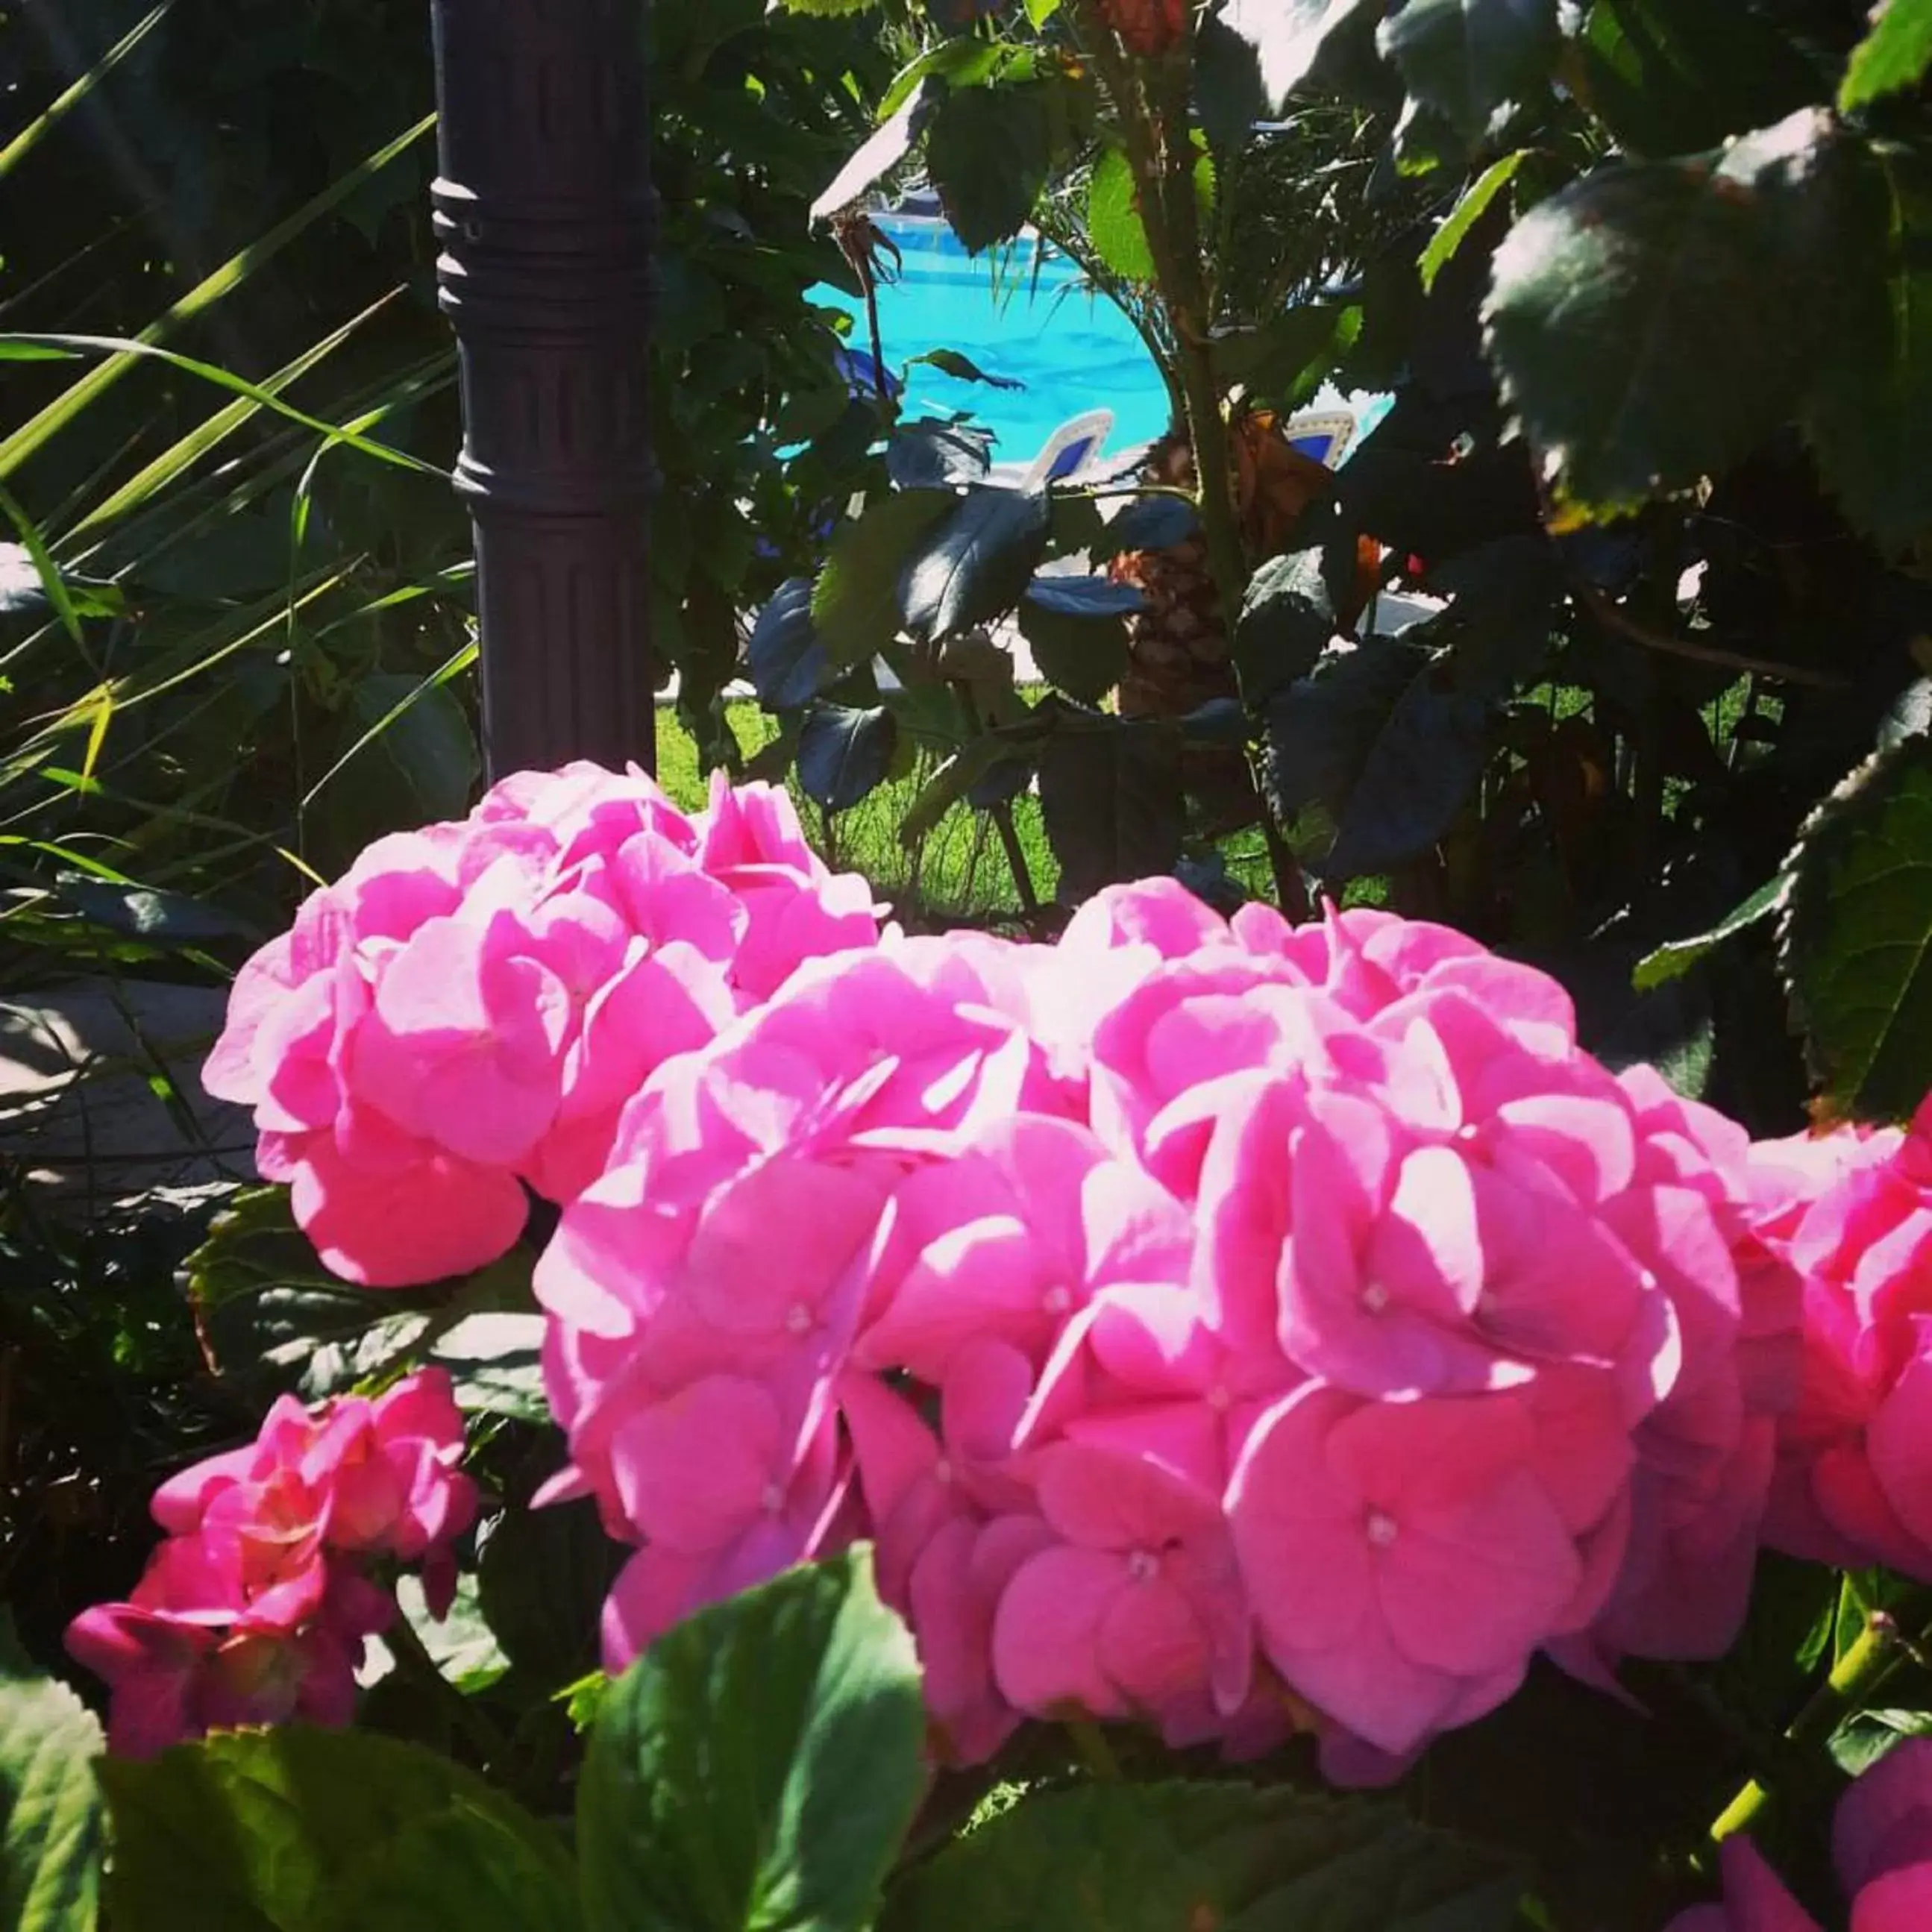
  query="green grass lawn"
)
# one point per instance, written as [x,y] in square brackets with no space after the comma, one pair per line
[959,870]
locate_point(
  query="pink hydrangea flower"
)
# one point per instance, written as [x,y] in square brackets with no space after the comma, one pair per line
[254,1609]
[1854,1460]
[470,1007]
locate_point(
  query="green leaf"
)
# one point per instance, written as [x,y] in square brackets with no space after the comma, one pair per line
[989,153]
[1287,36]
[1655,323]
[855,602]
[306,1831]
[1869,415]
[1287,620]
[1855,945]
[49,1811]
[845,754]
[495,1359]
[758,1766]
[974,566]
[143,912]
[422,744]
[785,656]
[1894,55]
[1110,793]
[1149,523]
[963,369]
[1468,59]
[930,455]
[1076,628]
[1666,78]
[1673,960]
[1467,212]
[1168,1857]
[882,152]
[1113,224]
[541,1576]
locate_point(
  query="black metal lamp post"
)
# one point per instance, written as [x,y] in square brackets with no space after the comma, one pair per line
[544,218]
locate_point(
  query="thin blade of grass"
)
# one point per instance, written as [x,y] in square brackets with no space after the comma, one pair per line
[47,423]
[63,104]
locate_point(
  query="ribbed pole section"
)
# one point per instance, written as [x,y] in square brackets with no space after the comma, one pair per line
[543,214]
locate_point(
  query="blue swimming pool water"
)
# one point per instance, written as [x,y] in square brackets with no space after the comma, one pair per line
[1073,351]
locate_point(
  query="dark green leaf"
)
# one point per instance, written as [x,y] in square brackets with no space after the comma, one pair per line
[1110,792]
[294,1830]
[974,566]
[1467,58]
[1856,942]
[1467,212]
[758,1766]
[1227,92]
[788,664]
[143,912]
[1287,620]
[1168,1858]
[844,754]
[542,1579]
[963,776]
[1320,728]
[855,603]
[1113,224]
[1869,416]
[1894,55]
[988,152]
[1667,79]
[1674,960]
[930,454]
[1421,767]
[1076,627]
[963,369]
[1655,323]
[1287,36]
[428,748]
[1150,522]
[50,1840]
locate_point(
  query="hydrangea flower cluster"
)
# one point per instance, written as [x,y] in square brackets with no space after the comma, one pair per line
[468,1009]
[1854,1470]
[1209,1323]
[1225,1324]
[254,1609]
[1881,1845]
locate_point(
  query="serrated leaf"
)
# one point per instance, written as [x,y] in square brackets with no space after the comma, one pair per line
[1467,58]
[988,152]
[786,660]
[50,1835]
[758,1766]
[1655,323]
[305,1830]
[1869,414]
[855,602]
[1473,205]
[1673,960]
[1150,523]
[1287,620]
[1855,947]
[931,454]
[1666,78]
[974,566]
[1076,628]
[1168,1858]
[1894,55]
[1111,795]
[1287,36]
[845,753]
[1113,224]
